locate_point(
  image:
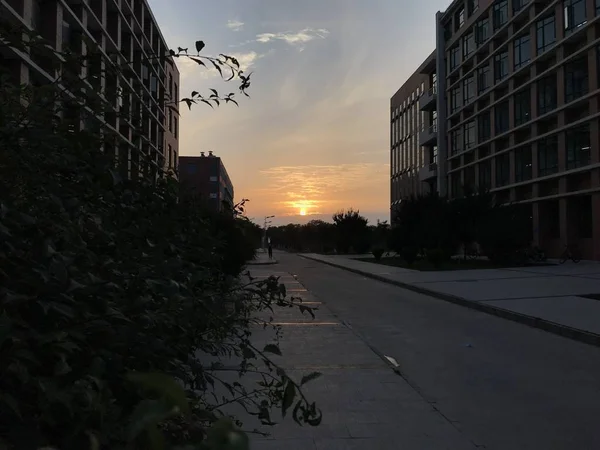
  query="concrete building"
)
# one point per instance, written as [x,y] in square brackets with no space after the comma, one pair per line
[206,178]
[142,109]
[518,111]
[412,131]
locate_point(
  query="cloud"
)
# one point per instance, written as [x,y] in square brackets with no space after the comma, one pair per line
[296,39]
[314,187]
[235,25]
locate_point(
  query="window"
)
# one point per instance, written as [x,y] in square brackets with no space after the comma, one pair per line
[170,156]
[522,102]
[472,6]
[483,79]
[455,142]
[502,169]
[500,13]
[455,185]
[547,94]
[213,178]
[523,164]
[546,33]
[469,135]
[485,174]
[170,120]
[501,117]
[175,127]
[598,7]
[519,4]
[454,58]
[574,11]
[459,18]
[433,155]
[522,51]
[576,79]
[547,156]
[501,66]
[175,93]
[578,146]
[455,99]
[468,89]
[482,31]
[484,127]
[468,45]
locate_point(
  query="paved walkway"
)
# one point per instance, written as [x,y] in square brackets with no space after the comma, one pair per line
[366,405]
[553,294]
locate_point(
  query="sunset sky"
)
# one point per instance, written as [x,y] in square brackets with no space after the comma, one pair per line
[314,136]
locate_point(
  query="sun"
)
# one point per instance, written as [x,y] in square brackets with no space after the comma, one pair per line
[302,211]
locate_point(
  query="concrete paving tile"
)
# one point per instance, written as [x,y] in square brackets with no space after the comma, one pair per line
[287,444]
[357,444]
[576,312]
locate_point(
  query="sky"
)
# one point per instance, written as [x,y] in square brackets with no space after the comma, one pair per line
[313,138]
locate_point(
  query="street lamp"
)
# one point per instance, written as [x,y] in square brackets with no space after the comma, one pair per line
[267,222]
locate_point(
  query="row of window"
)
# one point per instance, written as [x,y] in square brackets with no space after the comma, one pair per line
[574,16]
[577,154]
[408,102]
[576,84]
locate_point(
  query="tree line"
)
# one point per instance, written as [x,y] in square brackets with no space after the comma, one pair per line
[425,226]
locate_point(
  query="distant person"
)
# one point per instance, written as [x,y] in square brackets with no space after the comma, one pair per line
[270,251]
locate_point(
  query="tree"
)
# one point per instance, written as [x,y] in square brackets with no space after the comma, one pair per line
[111,290]
[352,231]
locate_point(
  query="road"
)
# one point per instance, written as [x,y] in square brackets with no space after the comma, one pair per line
[496,384]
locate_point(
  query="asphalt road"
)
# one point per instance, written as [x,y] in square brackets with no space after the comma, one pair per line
[503,385]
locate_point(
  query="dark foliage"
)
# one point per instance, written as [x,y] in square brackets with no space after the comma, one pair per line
[120,304]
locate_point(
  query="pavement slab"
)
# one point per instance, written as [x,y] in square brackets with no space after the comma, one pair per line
[365,404]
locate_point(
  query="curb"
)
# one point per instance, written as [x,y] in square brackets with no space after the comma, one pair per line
[534,322]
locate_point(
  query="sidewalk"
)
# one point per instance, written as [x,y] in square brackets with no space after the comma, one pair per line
[366,405]
[547,297]
[261,259]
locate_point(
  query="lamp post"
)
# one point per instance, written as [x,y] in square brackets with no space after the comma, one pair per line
[267,222]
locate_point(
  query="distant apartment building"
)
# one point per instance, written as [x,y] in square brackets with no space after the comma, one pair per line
[412,133]
[518,110]
[142,97]
[206,178]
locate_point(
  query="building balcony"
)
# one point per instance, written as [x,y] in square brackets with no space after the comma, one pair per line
[428,136]
[428,172]
[428,101]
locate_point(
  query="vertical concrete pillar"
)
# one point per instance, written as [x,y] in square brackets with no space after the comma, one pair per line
[442,109]
[563,221]
[535,210]
[596,226]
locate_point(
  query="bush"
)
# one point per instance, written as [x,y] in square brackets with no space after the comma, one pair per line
[436,257]
[378,253]
[409,254]
[114,296]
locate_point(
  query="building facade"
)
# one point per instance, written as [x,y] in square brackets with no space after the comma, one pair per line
[518,111]
[206,178]
[409,151]
[141,96]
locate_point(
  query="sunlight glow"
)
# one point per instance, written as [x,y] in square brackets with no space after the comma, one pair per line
[303,211]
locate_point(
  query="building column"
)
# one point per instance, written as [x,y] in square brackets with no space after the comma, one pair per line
[563,221]
[596,225]
[535,210]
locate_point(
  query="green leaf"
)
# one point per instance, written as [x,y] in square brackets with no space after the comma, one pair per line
[217,67]
[288,397]
[310,377]
[198,61]
[199,46]
[164,385]
[148,413]
[272,348]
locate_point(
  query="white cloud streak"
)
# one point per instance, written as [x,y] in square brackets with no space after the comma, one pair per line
[235,25]
[298,39]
